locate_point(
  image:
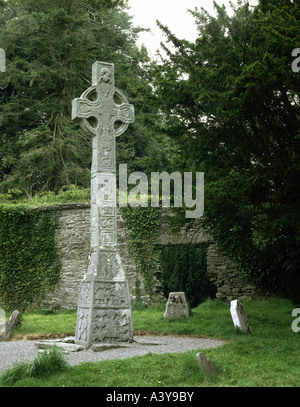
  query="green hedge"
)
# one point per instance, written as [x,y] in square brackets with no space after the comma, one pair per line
[185,269]
[29,263]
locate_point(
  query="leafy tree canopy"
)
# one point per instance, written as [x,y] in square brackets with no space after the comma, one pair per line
[50,48]
[231,104]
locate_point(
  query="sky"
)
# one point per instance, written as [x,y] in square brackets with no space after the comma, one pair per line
[173,14]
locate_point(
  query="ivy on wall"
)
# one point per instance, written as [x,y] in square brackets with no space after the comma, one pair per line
[183,266]
[142,225]
[29,262]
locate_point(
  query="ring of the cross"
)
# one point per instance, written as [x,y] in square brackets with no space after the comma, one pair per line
[118,99]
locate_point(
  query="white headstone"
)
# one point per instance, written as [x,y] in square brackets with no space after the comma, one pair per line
[177,306]
[239,316]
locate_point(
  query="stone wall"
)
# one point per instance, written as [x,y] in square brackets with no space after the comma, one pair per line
[224,275]
[73,241]
[222,271]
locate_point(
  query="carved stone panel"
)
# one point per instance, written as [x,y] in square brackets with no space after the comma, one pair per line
[112,326]
[107,190]
[111,294]
[85,295]
[108,265]
[107,155]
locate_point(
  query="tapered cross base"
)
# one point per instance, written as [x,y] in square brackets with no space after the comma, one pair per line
[104,307]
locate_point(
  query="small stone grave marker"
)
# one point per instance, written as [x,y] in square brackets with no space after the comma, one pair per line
[239,316]
[177,306]
[205,363]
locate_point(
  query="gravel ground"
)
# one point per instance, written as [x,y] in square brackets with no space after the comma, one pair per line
[14,351]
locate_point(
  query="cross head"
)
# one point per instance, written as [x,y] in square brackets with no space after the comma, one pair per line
[100,102]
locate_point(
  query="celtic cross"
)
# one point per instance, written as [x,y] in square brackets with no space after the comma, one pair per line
[100,112]
[104,306]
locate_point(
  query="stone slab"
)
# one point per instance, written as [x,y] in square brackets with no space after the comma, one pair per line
[69,339]
[239,316]
[145,342]
[101,347]
[68,347]
[14,320]
[205,363]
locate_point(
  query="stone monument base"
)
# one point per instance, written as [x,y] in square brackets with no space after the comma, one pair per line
[104,312]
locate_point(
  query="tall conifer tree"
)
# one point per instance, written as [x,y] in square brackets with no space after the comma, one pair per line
[231,103]
[50,48]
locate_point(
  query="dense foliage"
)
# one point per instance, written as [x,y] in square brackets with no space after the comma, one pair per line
[185,269]
[231,105]
[142,226]
[50,49]
[29,262]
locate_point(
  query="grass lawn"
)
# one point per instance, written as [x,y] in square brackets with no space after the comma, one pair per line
[268,358]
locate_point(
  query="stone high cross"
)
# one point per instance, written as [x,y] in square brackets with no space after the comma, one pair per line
[104,307]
